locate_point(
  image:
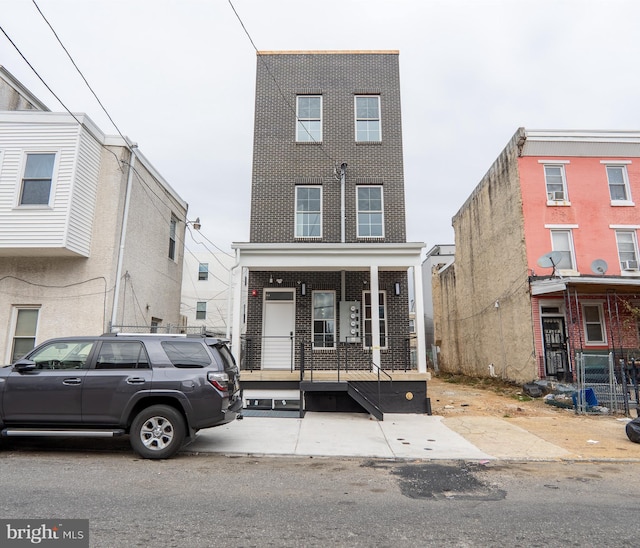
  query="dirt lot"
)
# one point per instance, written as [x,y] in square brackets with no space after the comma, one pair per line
[585,436]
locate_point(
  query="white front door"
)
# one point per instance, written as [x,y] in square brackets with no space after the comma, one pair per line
[278,328]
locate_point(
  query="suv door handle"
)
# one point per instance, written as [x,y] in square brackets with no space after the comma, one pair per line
[136,380]
[72,381]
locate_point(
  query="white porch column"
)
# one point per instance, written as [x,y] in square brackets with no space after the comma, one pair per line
[236,336]
[418,308]
[375,317]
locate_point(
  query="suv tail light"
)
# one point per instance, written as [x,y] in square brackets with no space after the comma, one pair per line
[219,380]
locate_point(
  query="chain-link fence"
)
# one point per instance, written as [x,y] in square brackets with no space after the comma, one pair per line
[602,383]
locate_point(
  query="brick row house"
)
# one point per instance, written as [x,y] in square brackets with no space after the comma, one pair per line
[90,234]
[323,284]
[546,259]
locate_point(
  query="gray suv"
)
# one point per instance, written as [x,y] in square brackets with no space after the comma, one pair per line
[159,389]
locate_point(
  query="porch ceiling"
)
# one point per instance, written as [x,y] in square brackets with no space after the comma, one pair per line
[323,256]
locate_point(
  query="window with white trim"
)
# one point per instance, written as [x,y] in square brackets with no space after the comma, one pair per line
[370,212]
[201,310]
[368,118]
[556,183]
[24,333]
[618,183]
[309,118]
[594,332]
[382,316]
[308,212]
[172,237]
[627,250]
[324,319]
[37,179]
[562,241]
[203,272]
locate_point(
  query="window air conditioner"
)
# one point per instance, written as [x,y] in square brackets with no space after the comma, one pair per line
[629,265]
[556,196]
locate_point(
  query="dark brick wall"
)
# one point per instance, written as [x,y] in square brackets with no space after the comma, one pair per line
[279,163]
[394,357]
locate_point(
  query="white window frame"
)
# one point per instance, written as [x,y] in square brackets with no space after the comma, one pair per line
[305,134]
[306,214]
[52,180]
[203,272]
[600,322]
[556,197]
[366,318]
[622,165]
[557,230]
[624,263]
[369,212]
[14,325]
[324,333]
[367,120]
[201,311]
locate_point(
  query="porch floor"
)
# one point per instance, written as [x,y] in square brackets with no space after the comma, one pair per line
[330,376]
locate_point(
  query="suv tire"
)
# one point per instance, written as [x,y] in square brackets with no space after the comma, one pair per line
[157,432]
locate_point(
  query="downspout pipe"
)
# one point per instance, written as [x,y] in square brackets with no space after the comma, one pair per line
[343,206]
[123,235]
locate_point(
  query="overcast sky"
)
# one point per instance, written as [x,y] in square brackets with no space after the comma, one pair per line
[178,78]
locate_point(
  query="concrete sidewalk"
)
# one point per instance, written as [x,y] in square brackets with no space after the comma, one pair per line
[409,437]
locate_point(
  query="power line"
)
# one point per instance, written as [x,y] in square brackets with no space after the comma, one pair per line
[284,97]
[78,69]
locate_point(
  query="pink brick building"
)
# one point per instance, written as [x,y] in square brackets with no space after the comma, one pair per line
[546,257]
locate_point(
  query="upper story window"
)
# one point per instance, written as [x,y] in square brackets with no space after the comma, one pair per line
[556,183]
[618,184]
[203,271]
[627,250]
[308,212]
[36,182]
[201,310]
[368,118]
[370,212]
[309,118]
[562,241]
[172,237]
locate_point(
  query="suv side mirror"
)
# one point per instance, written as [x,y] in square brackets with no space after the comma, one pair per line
[24,365]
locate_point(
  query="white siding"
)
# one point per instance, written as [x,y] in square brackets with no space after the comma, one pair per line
[65,226]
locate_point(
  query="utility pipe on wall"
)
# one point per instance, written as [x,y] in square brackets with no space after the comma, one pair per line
[123,236]
[343,207]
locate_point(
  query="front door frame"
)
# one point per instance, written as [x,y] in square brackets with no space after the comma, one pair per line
[286,336]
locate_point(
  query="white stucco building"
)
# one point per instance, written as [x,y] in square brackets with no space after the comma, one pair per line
[91,235]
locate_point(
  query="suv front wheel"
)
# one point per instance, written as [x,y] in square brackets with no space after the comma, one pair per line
[157,432]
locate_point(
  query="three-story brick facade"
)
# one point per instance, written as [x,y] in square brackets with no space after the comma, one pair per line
[328,236]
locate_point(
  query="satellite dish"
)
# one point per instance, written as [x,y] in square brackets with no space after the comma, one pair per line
[550,260]
[599,266]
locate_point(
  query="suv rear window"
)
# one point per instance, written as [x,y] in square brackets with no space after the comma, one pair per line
[186,354]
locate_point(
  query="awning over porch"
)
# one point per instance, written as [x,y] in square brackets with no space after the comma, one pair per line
[372,257]
[555,285]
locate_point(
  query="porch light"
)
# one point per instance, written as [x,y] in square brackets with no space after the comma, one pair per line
[303,289]
[396,288]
